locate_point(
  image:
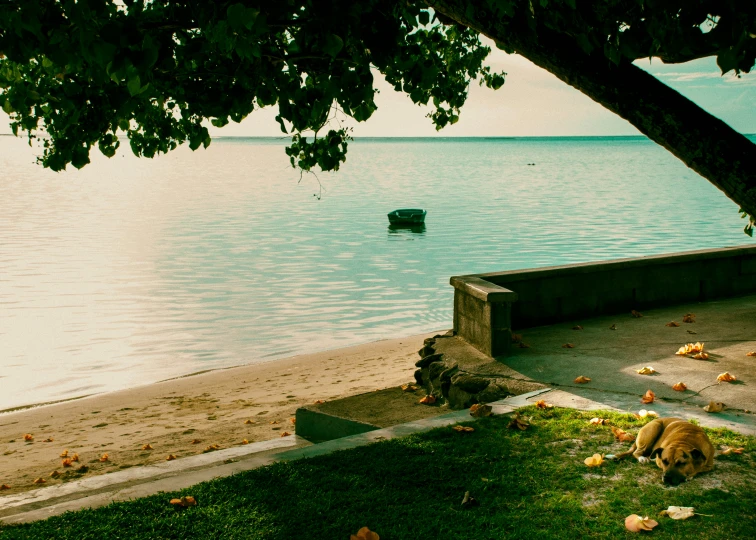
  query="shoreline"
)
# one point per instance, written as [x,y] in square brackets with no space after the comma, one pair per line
[188,414]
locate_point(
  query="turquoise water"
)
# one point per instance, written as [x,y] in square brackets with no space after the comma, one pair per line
[132,271]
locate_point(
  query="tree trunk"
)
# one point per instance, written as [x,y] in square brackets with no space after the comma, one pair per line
[703,142]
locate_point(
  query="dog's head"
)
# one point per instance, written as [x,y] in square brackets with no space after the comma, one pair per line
[678,464]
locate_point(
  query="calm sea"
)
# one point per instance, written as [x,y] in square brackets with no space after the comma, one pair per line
[132,271]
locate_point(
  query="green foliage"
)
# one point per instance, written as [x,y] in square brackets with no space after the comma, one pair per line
[81,73]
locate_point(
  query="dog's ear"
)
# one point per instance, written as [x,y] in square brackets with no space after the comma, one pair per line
[697,454]
[656,453]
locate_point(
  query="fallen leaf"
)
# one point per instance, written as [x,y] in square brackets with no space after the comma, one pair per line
[147,447]
[428,400]
[273,422]
[672,324]
[468,500]
[245,441]
[541,404]
[678,512]
[680,387]
[636,314]
[648,370]
[319,401]
[4,487]
[594,461]
[613,327]
[196,441]
[248,421]
[635,523]
[67,462]
[463,429]
[568,346]
[648,397]
[170,457]
[479,411]
[211,448]
[729,450]
[104,458]
[597,421]
[578,327]
[622,435]
[409,387]
[40,481]
[523,345]
[292,421]
[518,423]
[725,377]
[49,439]
[285,434]
[75,457]
[714,406]
[364,534]
[55,474]
[64,453]
[689,318]
[700,356]
[28,437]
[643,413]
[582,380]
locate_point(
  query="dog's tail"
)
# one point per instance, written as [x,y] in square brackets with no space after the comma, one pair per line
[623,455]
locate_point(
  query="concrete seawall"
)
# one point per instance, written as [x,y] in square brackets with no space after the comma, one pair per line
[487,307]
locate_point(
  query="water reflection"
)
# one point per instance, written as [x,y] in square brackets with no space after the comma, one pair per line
[405,231]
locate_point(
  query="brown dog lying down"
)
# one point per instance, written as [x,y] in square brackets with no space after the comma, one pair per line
[681,449]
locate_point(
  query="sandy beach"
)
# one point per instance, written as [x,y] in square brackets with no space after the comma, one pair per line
[185,416]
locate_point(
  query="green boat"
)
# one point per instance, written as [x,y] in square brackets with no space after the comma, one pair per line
[407,216]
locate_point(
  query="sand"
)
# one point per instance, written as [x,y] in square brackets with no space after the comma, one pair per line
[184,416]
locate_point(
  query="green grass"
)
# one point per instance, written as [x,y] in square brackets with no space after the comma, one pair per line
[530,484]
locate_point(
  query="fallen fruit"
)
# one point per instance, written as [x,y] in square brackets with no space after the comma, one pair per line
[752,353]
[170,457]
[28,437]
[409,387]
[104,458]
[648,370]
[594,461]
[582,380]
[622,435]
[672,324]
[714,407]
[689,318]
[292,421]
[40,481]
[480,411]
[541,404]
[67,462]
[147,447]
[678,512]
[635,523]
[597,421]
[463,429]
[245,441]
[643,413]
[75,457]
[725,377]
[4,487]
[680,387]
[648,397]
[700,356]
[364,534]
[64,453]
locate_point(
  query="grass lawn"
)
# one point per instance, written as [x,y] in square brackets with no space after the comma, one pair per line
[529,484]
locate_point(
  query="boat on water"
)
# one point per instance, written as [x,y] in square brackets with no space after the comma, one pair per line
[407,216]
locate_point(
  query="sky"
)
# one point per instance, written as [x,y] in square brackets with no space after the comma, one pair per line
[532,102]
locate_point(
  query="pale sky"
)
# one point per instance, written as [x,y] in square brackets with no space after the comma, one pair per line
[532,102]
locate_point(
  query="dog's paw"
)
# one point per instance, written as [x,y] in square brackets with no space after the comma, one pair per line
[643,460]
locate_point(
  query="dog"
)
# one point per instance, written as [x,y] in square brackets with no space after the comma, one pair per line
[681,449]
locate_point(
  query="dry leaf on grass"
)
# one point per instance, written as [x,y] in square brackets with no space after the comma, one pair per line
[463,429]
[725,377]
[680,387]
[678,512]
[428,400]
[568,346]
[40,481]
[4,487]
[636,314]
[594,461]
[409,387]
[582,380]
[541,404]
[752,353]
[700,356]
[714,406]
[248,421]
[648,397]
[597,421]
[643,413]
[104,458]
[689,318]
[170,457]
[622,435]
[672,324]
[518,423]
[364,534]
[635,523]
[648,370]
[727,450]
[147,447]
[64,453]
[67,462]
[613,327]
[578,327]
[479,411]
[28,437]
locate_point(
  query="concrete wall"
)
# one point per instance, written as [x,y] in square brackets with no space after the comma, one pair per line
[560,293]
